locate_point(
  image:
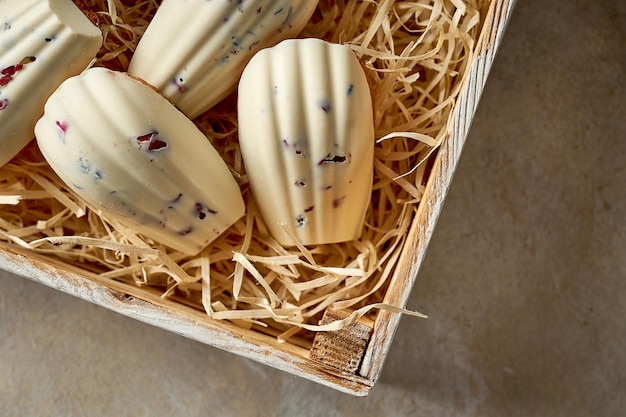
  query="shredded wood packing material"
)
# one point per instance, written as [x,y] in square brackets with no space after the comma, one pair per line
[415,53]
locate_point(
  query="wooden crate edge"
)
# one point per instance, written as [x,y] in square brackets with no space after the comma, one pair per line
[428,212]
[121,298]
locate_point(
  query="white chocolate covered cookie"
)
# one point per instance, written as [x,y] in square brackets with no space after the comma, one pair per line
[307,138]
[129,152]
[194,51]
[42,42]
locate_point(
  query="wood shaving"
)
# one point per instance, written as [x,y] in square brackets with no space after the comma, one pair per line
[415,53]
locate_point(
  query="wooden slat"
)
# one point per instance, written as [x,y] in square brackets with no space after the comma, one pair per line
[343,349]
[430,207]
[177,318]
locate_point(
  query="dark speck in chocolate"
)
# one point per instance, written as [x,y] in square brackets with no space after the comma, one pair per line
[179,82]
[333,159]
[201,210]
[297,148]
[186,231]
[325,106]
[337,201]
[300,220]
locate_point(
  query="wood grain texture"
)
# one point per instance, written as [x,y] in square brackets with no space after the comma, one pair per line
[343,349]
[152,309]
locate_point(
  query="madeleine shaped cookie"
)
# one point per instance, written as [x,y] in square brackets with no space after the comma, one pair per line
[129,152]
[307,138]
[194,51]
[42,42]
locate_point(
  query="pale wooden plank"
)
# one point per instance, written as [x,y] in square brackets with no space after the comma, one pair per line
[438,185]
[152,309]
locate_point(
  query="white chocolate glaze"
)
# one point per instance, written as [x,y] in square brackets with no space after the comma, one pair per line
[194,51]
[129,152]
[42,42]
[307,138]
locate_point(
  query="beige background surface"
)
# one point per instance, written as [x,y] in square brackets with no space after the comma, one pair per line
[524,282]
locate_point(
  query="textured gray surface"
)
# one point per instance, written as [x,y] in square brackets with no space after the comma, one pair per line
[524,281]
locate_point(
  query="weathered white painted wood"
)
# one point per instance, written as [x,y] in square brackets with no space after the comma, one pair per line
[172,316]
[152,309]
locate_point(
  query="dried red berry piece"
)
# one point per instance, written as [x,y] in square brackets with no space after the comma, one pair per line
[62,126]
[9,72]
[154,142]
[146,138]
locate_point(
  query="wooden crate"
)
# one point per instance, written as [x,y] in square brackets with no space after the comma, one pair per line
[350,360]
